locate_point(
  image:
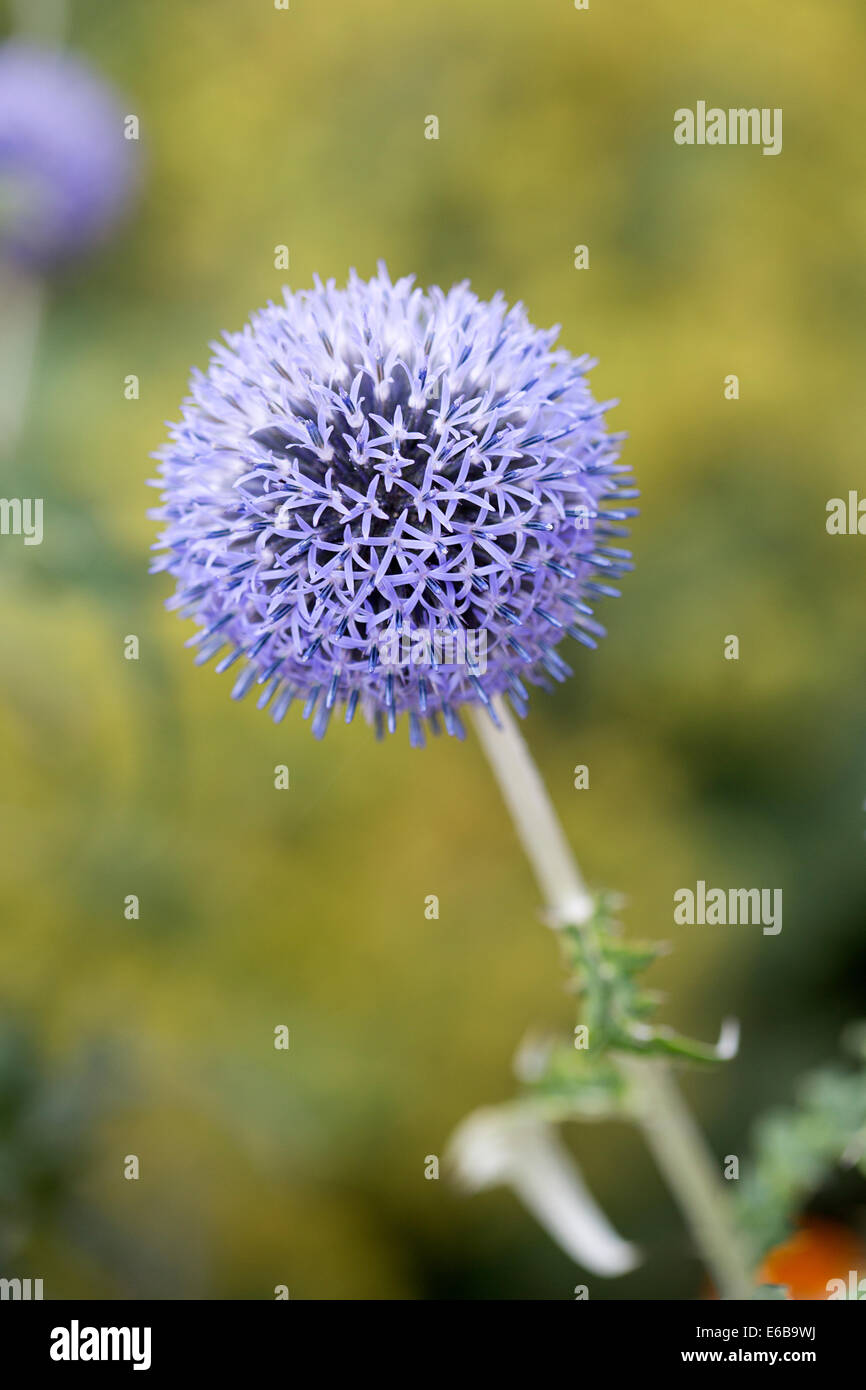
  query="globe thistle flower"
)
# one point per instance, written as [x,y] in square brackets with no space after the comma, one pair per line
[66,170]
[381,467]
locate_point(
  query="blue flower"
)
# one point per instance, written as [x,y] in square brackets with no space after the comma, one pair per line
[393,498]
[66,171]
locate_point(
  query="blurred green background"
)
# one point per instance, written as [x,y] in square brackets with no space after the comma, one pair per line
[306,907]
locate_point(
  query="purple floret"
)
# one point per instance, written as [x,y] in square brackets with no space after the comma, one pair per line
[66,170]
[381,459]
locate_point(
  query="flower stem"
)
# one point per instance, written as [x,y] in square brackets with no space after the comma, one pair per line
[668,1127]
[682,1155]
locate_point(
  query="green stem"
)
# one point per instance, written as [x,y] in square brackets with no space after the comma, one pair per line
[669,1129]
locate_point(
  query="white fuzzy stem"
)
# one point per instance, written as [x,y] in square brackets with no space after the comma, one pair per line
[567,899]
[669,1129]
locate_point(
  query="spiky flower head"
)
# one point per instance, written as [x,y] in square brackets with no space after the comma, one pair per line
[66,171]
[391,497]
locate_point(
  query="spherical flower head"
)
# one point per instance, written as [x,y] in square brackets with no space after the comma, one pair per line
[393,498]
[66,171]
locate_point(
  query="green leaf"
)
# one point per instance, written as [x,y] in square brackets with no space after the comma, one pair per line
[797,1150]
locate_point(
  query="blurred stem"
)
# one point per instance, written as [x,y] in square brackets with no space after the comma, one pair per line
[668,1127]
[682,1155]
[22,300]
[567,899]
